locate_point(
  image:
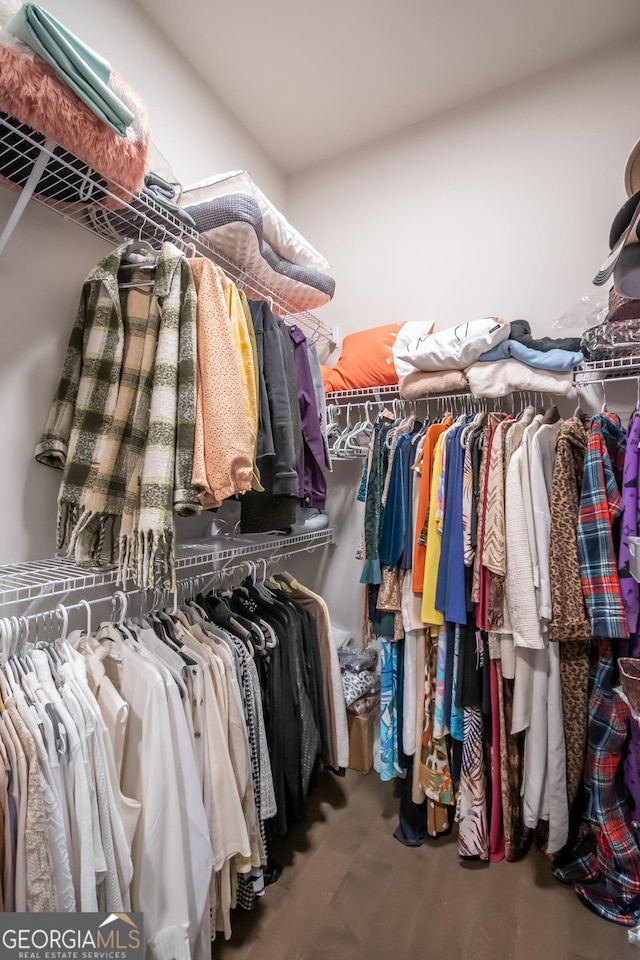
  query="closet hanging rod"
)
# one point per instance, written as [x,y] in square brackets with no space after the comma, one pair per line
[386,395]
[52,622]
[115,214]
[52,580]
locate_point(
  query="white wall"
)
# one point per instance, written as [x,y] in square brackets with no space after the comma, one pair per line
[190,125]
[42,270]
[501,208]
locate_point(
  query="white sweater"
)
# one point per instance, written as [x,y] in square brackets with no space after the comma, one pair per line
[519,588]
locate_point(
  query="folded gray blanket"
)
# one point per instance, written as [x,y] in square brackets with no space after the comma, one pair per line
[160,192]
[521,330]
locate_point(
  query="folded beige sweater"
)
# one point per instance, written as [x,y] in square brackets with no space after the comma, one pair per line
[424,384]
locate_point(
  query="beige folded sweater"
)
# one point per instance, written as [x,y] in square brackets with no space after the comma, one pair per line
[424,384]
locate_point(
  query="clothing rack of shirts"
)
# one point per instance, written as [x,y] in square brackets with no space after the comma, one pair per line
[109,215]
[349,432]
[152,753]
[498,583]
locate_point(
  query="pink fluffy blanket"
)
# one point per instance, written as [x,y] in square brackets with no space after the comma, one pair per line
[36,96]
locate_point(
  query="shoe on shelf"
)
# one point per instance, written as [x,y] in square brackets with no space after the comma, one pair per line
[308,520]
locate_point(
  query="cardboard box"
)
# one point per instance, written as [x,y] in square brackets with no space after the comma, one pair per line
[361,733]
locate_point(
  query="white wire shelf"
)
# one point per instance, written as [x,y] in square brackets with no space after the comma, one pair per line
[598,371]
[58,578]
[341,397]
[590,371]
[118,216]
[386,394]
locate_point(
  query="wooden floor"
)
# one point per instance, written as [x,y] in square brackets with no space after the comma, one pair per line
[350,891]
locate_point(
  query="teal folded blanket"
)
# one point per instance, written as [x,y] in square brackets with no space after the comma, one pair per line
[85,71]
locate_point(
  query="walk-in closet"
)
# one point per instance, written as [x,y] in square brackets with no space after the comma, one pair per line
[320,433]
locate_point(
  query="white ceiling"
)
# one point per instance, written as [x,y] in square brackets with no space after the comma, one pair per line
[313,80]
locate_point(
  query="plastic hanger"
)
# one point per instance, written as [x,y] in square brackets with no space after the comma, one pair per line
[22,680]
[362,430]
[3,690]
[87,607]
[138,246]
[4,639]
[16,634]
[124,604]
[63,613]
[333,422]
[11,674]
[339,443]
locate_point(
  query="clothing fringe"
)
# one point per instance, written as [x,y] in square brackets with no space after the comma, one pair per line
[145,556]
[148,558]
[67,519]
[84,532]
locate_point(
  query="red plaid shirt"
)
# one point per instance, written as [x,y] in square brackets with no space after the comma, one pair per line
[600,506]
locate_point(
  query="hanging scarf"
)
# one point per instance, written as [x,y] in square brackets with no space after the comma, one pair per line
[123,420]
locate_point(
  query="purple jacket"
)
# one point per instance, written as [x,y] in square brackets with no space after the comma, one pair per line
[313,491]
[629,589]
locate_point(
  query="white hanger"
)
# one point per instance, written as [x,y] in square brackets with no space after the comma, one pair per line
[24,633]
[15,631]
[87,607]
[363,428]
[124,603]
[63,613]
[5,635]
[339,443]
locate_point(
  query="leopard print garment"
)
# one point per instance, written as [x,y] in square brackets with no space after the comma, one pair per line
[569,621]
[569,625]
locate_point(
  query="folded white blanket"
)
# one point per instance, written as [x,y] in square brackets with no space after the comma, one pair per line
[416,348]
[499,378]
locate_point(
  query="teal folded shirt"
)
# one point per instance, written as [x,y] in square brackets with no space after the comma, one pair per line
[85,71]
[555,360]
